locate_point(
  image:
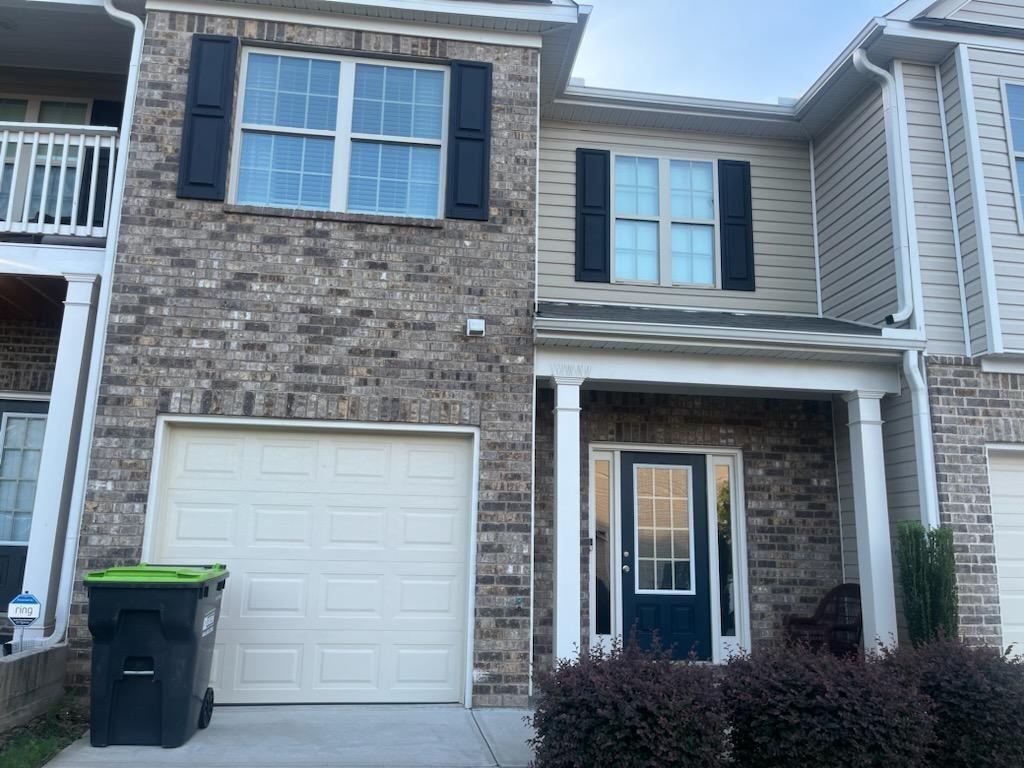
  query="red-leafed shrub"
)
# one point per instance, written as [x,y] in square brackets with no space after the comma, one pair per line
[629,709]
[975,698]
[793,708]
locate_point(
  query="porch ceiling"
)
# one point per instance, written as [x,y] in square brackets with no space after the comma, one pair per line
[39,299]
[51,35]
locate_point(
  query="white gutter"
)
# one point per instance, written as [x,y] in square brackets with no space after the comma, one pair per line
[927,485]
[900,222]
[67,569]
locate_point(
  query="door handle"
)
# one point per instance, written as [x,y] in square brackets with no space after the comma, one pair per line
[625,569]
[626,553]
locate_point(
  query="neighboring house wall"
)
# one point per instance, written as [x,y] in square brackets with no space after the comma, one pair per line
[970,410]
[789,476]
[940,282]
[858,274]
[988,69]
[965,205]
[220,310]
[780,199]
[28,354]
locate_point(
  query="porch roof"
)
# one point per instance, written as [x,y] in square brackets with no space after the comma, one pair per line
[648,329]
[617,313]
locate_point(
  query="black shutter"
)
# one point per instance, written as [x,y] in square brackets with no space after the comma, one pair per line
[107,114]
[202,173]
[593,215]
[467,191]
[736,224]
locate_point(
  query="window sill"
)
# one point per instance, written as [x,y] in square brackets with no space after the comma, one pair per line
[348,218]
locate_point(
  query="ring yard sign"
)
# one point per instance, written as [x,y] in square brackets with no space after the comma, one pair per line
[24,610]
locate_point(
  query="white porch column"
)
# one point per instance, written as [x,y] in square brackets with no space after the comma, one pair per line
[568,571]
[60,448]
[871,511]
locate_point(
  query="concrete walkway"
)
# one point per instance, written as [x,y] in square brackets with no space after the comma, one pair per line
[332,737]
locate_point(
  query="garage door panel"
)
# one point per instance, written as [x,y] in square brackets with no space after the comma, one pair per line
[348,559]
[1006,478]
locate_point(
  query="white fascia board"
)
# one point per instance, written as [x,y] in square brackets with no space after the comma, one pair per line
[740,373]
[746,338]
[338,20]
[50,260]
[553,13]
[952,36]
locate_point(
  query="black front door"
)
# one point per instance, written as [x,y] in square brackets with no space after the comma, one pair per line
[665,576]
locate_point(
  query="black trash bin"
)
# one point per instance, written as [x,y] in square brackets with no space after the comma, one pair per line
[153,628]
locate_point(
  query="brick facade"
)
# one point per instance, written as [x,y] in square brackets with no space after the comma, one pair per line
[971,409]
[28,354]
[792,514]
[223,310]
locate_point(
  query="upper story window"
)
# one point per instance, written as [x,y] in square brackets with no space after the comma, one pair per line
[1015,121]
[665,221]
[333,133]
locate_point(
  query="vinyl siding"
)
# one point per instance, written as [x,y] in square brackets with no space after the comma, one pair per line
[964,204]
[781,201]
[57,83]
[1001,13]
[939,281]
[988,69]
[858,275]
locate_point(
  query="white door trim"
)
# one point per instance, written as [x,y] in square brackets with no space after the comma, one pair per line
[733,457]
[165,422]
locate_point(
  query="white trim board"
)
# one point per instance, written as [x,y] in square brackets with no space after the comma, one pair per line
[165,422]
[733,457]
[990,295]
[708,370]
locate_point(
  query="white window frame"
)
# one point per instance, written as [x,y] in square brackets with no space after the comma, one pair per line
[342,135]
[722,647]
[1015,154]
[4,417]
[35,103]
[665,220]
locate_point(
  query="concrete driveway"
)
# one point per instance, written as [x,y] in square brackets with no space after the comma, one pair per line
[392,736]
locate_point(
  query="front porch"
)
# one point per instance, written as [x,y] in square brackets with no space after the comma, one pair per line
[706,497]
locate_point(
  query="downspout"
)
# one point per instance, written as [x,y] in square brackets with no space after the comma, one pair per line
[67,572]
[927,484]
[900,222]
[901,205]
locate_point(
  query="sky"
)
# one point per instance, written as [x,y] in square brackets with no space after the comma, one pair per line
[748,50]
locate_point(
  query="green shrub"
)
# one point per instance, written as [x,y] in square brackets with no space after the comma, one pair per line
[928,576]
[793,708]
[629,709]
[974,697]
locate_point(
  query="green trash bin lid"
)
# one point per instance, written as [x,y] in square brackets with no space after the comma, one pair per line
[167,575]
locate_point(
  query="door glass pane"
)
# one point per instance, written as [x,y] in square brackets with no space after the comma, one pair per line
[602,546]
[726,579]
[21,441]
[663,530]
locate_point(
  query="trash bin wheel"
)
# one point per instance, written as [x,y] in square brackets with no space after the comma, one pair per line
[206,711]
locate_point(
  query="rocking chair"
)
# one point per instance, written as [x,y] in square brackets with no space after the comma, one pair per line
[837,624]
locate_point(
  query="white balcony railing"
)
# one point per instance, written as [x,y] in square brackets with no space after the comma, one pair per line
[56,179]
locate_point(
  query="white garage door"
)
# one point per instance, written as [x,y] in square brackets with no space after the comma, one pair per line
[347,553]
[1006,476]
